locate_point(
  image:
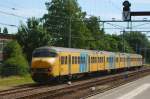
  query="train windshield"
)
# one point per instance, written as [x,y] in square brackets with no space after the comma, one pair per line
[44,54]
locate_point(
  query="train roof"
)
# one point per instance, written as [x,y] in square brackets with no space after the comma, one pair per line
[63,49]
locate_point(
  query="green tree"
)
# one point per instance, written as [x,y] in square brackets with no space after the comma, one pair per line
[65,16]
[97,34]
[15,62]
[5,30]
[138,42]
[32,36]
[122,44]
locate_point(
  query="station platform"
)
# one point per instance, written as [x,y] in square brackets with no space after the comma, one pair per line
[139,89]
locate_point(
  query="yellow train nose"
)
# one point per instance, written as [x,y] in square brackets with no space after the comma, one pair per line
[42,62]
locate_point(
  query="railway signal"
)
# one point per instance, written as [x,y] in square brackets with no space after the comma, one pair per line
[126,11]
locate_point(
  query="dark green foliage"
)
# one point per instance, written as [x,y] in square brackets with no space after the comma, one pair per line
[5,30]
[139,43]
[136,40]
[15,62]
[96,34]
[65,16]
[32,36]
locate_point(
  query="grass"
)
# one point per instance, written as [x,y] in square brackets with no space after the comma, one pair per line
[13,81]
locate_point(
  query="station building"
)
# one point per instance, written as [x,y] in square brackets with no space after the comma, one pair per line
[4,39]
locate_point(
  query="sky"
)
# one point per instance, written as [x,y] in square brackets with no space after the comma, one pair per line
[105,9]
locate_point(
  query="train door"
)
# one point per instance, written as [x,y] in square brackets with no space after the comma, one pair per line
[83,62]
[63,64]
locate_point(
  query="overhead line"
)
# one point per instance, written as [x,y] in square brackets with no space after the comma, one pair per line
[11,25]
[6,13]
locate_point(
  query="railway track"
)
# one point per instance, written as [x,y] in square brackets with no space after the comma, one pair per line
[79,89]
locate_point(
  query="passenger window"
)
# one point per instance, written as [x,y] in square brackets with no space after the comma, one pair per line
[76,60]
[62,60]
[66,59]
[99,59]
[107,59]
[89,59]
[83,59]
[72,59]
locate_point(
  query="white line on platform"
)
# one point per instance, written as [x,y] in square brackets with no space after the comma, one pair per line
[135,92]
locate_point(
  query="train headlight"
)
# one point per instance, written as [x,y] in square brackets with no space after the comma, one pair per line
[52,60]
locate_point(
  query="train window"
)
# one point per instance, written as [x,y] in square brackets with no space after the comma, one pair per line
[72,59]
[100,59]
[103,59]
[43,53]
[89,59]
[84,60]
[81,59]
[76,60]
[92,59]
[62,60]
[107,59]
[66,60]
[117,59]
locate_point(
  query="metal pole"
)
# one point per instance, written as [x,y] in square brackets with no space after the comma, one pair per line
[70,18]
[145,54]
[69,42]
[123,41]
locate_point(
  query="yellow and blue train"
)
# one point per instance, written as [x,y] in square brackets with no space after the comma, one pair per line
[56,62]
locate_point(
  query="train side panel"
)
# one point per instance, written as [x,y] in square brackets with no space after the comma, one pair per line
[101,62]
[93,63]
[63,63]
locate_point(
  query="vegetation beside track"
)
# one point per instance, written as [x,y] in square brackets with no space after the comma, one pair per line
[14,81]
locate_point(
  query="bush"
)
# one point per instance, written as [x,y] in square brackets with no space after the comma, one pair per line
[15,62]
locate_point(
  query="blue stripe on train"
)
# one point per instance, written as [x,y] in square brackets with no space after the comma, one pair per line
[111,62]
[83,62]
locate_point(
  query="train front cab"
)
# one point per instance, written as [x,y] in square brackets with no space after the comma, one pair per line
[44,62]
